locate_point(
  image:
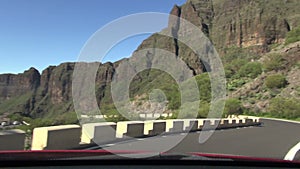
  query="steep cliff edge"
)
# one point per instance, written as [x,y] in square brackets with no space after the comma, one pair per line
[15,85]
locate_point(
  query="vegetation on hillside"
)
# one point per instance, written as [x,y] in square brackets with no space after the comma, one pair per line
[274,62]
[288,108]
[276,81]
[293,36]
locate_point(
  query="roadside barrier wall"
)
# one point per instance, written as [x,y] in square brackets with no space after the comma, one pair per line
[56,137]
[130,129]
[190,124]
[98,132]
[154,127]
[12,140]
[69,136]
[174,125]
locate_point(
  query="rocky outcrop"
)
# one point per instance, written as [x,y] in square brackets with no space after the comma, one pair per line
[60,83]
[248,24]
[12,85]
[242,23]
[51,92]
[252,23]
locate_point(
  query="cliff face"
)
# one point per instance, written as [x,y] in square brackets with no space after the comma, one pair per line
[242,23]
[38,95]
[254,24]
[245,23]
[15,85]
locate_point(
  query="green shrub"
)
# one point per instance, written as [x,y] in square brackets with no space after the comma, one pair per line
[235,83]
[233,106]
[275,81]
[235,58]
[228,72]
[148,80]
[188,110]
[174,100]
[288,108]
[66,118]
[293,36]
[234,52]
[204,86]
[297,64]
[236,64]
[233,67]
[174,114]
[251,69]
[231,53]
[203,110]
[16,117]
[274,62]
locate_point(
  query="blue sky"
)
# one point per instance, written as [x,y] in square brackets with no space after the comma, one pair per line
[39,33]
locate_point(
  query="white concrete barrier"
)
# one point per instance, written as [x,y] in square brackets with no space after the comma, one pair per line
[12,139]
[56,137]
[228,123]
[68,136]
[179,125]
[249,122]
[252,121]
[239,121]
[208,123]
[200,123]
[224,124]
[174,125]
[98,132]
[130,129]
[234,122]
[190,124]
[154,127]
[215,123]
[254,118]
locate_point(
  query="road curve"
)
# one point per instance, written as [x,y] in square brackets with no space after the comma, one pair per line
[273,139]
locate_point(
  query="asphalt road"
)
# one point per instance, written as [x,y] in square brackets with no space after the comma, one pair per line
[273,139]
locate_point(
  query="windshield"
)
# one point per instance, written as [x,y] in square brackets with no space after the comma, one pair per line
[178,79]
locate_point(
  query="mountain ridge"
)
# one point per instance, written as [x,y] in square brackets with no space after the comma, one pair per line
[251,25]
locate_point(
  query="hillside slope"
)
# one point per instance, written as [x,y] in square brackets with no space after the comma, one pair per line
[242,31]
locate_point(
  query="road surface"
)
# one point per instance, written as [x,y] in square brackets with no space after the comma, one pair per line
[273,139]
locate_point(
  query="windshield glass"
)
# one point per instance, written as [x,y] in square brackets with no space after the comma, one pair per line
[216,79]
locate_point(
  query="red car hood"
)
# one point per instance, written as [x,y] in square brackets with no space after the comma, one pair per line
[62,154]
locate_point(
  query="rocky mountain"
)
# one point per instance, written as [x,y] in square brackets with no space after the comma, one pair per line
[255,26]
[48,94]
[16,85]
